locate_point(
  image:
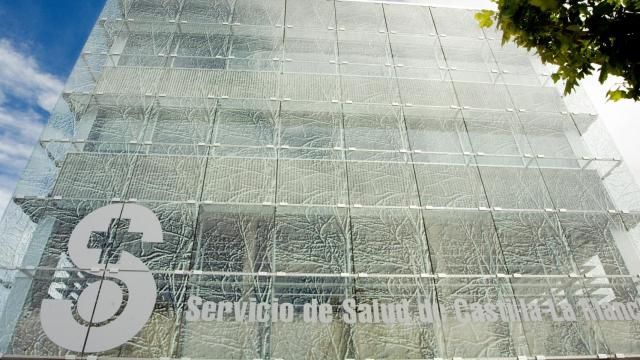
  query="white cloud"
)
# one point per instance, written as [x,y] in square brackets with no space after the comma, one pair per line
[21,76]
[24,87]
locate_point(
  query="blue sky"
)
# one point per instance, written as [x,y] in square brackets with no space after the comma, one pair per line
[39,42]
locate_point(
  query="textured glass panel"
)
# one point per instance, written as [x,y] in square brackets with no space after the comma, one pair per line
[477,57]
[175,252]
[455,22]
[257,65]
[310,125]
[360,16]
[171,178]
[150,40]
[311,239]
[380,184]
[593,240]
[193,83]
[308,45]
[576,102]
[146,45]
[310,87]
[202,45]
[478,339]
[483,96]
[474,76]
[423,52]
[85,175]
[258,12]
[251,152]
[222,340]
[311,14]
[418,338]
[205,11]
[235,238]
[388,241]
[532,243]
[364,48]
[151,9]
[67,120]
[366,70]
[53,223]
[21,316]
[423,73]
[463,242]
[250,43]
[523,79]
[594,133]
[310,67]
[429,93]
[107,148]
[315,180]
[126,80]
[38,176]
[552,135]
[369,90]
[240,180]
[81,79]
[618,297]
[188,122]
[514,62]
[576,189]
[225,339]
[21,219]
[515,188]
[374,127]
[450,186]
[558,338]
[536,98]
[405,19]
[159,336]
[436,130]
[246,123]
[298,340]
[314,340]
[495,133]
[115,123]
[623,189]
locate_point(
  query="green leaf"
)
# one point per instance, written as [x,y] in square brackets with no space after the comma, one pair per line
[615,95]
[485,18]
[545,4]
[577,36]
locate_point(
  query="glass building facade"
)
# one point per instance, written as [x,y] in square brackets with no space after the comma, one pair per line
[317,150]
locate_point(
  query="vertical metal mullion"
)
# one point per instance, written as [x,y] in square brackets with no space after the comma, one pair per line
[110,233]
[499,242]
[348,283]
[415,179]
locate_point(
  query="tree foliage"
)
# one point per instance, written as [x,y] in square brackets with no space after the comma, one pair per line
[576,35]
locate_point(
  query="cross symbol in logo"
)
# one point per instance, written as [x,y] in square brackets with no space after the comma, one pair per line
[110,243]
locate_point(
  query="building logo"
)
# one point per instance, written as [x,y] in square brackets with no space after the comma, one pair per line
[96,327]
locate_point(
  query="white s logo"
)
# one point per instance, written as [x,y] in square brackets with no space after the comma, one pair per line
[56,316]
